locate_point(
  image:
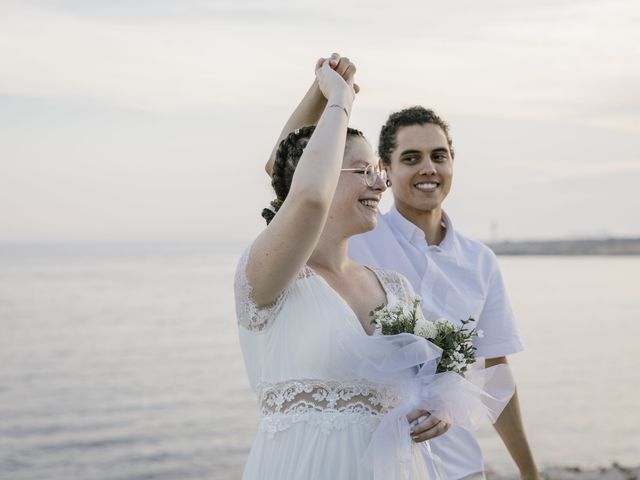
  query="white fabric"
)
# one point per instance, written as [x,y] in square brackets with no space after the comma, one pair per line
[457,279]
[408,364]
[317,419]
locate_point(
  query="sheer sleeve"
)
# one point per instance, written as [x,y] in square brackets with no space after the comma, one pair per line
[396,285]
[248,314]
[398,288]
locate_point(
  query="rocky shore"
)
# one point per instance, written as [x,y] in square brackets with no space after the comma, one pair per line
[614,472]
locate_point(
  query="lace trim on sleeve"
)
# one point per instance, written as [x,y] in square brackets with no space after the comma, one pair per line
[249,315]
[395,285]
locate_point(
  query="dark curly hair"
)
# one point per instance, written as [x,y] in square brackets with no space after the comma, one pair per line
[409,116]
[287,158]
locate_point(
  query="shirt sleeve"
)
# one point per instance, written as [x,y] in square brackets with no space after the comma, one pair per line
[497,322]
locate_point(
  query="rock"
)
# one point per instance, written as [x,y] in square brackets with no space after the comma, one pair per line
[614,472]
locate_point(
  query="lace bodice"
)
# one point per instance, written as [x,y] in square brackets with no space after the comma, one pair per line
[293,355]
[254,318]
[327,404]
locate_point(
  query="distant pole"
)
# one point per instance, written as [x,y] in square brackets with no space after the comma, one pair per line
[494,231]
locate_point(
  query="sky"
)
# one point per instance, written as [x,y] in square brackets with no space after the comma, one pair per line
[152,120]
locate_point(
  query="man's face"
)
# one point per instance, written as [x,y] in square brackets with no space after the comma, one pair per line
[421,168]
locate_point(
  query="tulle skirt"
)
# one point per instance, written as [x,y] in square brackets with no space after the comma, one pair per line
[307,452]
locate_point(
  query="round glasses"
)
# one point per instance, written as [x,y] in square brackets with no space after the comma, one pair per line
[371,174]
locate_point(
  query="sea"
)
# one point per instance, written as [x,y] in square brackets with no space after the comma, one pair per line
[122,362]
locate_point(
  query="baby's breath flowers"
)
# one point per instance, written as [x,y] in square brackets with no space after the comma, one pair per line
[455,341]
[425,329]
[458,351]
[396,318]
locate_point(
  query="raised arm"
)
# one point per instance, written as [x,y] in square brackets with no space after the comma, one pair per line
[312,105]
[282,249]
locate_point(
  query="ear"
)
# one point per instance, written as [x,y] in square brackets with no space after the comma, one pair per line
[387,168]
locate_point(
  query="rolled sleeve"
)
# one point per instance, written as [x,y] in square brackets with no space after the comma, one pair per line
[497,322]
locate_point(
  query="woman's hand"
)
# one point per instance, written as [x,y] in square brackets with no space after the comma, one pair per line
[342,65]
[336,83]
[426,427]
[312,105]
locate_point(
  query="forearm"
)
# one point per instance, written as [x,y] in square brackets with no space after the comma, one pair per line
[326,150]
[307,112]
[511,430]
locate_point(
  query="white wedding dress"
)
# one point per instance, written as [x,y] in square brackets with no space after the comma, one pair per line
[316,418]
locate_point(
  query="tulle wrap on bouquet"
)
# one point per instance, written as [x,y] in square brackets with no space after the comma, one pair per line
[408,363]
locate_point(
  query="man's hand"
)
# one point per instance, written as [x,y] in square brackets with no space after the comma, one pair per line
[332,84]
[426,427]
[342,65]
[313,103]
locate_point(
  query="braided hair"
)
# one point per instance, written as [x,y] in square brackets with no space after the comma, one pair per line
[409,116]
[287,158]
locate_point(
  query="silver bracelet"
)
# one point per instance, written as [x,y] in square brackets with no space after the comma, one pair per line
[340,106]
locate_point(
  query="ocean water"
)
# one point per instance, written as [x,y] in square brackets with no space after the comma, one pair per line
[122,362]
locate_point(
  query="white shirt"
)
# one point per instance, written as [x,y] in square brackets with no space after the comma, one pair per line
[457,279]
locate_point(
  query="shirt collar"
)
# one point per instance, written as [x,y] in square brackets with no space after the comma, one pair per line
[416,236]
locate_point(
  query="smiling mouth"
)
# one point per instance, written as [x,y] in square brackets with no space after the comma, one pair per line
[370,203]
[427,186]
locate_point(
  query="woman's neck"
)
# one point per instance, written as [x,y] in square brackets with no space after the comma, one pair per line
[331,253]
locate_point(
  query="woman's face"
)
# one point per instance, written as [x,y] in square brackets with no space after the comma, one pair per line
[421,169]
[355,205]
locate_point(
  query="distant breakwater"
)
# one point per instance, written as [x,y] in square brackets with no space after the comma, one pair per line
[608,246]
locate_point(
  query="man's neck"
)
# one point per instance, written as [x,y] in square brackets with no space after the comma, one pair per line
[429,221]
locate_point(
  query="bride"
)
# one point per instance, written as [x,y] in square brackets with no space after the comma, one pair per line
[296,288]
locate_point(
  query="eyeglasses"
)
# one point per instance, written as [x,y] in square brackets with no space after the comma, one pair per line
[371,174]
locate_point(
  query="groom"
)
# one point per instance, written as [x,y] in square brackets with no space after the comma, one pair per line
[457,277]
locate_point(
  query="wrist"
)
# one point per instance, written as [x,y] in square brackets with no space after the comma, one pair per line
[529,476]
[315,94]
[343,98]
[339,105]
[529,472]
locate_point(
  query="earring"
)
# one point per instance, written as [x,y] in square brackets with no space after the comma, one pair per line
[388,183]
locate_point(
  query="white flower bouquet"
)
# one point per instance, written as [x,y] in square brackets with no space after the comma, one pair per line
[455,341]
[425,365]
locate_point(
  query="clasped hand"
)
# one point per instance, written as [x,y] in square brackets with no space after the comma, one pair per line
[335,76]
[425,426]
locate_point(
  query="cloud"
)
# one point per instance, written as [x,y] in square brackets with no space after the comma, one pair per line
[154,118]
[531,61]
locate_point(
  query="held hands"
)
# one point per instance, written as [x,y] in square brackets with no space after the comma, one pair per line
[335,78]
[425,426]
[343,66]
